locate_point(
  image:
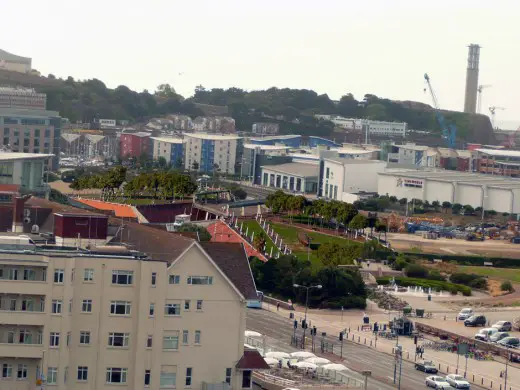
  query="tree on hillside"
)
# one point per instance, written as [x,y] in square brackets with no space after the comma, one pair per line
[359,222]
[332,254]
[456,208]
[259,242]
[446,206]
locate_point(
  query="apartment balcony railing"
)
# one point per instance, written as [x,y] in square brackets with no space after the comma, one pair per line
[21,351]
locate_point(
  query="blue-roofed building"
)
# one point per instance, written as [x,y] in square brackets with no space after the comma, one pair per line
[293,140]
[319,141]
[206,152]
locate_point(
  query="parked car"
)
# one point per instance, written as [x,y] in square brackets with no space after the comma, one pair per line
[509,342]
[485,334]
[498,336]
[465,313]
[437,382]
[457,381]
[503,326]
[479,320]
[427,367]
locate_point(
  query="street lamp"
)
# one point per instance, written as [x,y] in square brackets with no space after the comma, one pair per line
[307,288]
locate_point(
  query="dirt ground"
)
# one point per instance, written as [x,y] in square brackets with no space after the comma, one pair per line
[492,248]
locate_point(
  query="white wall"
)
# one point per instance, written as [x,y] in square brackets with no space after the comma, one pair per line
[388,185]
[468,194]
[162,149]
[438,191]
[362,177]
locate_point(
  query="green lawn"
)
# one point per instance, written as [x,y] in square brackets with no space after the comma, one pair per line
[512,274]
[253,226]
[290,237]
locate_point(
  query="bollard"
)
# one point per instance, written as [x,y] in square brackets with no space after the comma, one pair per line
[408,355]
[352,337]
[370,342]
[491,384]
[365,341]
[349,329]
[482,382]
[358,328]
[359,339]
[393,351]
[473,378]
[447,369]
[457,371]
[501,386]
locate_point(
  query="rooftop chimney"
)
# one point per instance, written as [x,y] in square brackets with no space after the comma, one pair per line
[19,203]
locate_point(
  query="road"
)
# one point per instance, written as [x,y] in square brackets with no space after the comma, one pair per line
[357,357]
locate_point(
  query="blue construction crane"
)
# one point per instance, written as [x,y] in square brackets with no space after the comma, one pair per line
[449,132]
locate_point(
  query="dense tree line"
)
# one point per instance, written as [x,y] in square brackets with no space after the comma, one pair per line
[298,106]
[159,185]
[88,100]
[341,287]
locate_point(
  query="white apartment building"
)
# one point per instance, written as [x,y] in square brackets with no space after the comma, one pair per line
[381,128]
[206,152]
[169,313]
[344,177]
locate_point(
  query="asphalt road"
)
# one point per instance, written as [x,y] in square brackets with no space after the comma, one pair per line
[357,357]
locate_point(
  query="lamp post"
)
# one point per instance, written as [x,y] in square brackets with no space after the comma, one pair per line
[307,288]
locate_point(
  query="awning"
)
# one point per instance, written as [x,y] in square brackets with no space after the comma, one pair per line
[252,360]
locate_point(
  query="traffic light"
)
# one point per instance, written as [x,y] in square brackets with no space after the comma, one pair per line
[314,330]
[415,340]
[295,324]
[304,324]
[340,336]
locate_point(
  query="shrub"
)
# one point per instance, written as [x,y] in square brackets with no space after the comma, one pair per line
[471,280]
[436,275]
[480,283]
[416,271]
[426,283]
[506,286]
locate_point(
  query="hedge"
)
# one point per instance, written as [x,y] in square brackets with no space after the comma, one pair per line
[426,283]
[499,262]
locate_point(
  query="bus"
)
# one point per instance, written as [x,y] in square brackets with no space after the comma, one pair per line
[256,303]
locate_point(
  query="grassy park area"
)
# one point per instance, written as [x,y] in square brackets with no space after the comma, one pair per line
[512,274]
[253,226]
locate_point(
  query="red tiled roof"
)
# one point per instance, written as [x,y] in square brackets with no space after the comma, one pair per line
[252,360]
[221,232]
[11,188]
[120,210]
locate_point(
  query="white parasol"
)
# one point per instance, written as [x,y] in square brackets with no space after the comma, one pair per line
[317,360]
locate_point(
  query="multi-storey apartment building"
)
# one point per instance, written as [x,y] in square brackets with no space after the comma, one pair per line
[153,310]
[135,144]
[213,151]
[25,125]
[170,148]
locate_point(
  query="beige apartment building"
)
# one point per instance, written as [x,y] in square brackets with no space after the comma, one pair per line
[160,312]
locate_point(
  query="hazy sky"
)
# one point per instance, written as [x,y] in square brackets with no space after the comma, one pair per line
[382,47]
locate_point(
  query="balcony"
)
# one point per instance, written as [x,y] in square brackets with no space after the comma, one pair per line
[25,287]
[21,351]
[19,317]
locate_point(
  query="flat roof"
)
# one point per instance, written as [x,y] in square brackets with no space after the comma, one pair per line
[28,112]
[266,147]
[354,150]
[212,136]
[500,153]
[12,156]
[353,161]
[308,156]
[275,137]
[169,140]
[295,169]
[413,147]
[457,177]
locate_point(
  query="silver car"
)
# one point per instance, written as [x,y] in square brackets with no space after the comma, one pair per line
[503,326]
[457,381]
[437,382]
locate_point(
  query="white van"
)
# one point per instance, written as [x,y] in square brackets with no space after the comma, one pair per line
[486,333]
[465,314]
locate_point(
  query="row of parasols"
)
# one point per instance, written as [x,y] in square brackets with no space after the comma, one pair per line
[306,360]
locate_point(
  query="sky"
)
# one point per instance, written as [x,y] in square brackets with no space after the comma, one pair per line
[381,47]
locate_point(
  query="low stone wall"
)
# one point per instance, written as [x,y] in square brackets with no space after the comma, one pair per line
[283,304]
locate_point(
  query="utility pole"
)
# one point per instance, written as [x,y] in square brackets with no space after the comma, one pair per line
[505,374]
[304,324]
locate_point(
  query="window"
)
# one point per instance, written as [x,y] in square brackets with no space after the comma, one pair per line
[151,311]
[147,377]
[58,275]
[29,274]
[118,339]
[55,339]
[154,278]
[25,336]
[122,277]
[12,304]
[84,337]
[187,304]
[172,309]
[56,306]
[171,342]
[116,375]
[72,275]
[189,372]
[200,280]
[21,373]
[120,308]
[246,379]
[27,305]
[86,306]
[149,341]
[199,305]
[52,375]
[70,305]
[228,375]
[197,337]
[174,279]
[82,373]
[68,339]
[185,337]
[168,378]
[7,370]
[88,275]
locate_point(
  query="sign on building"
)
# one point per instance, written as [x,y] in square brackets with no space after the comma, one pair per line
[107,123]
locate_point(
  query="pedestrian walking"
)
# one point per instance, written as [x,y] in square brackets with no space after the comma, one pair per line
[422,351]
[278,306]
